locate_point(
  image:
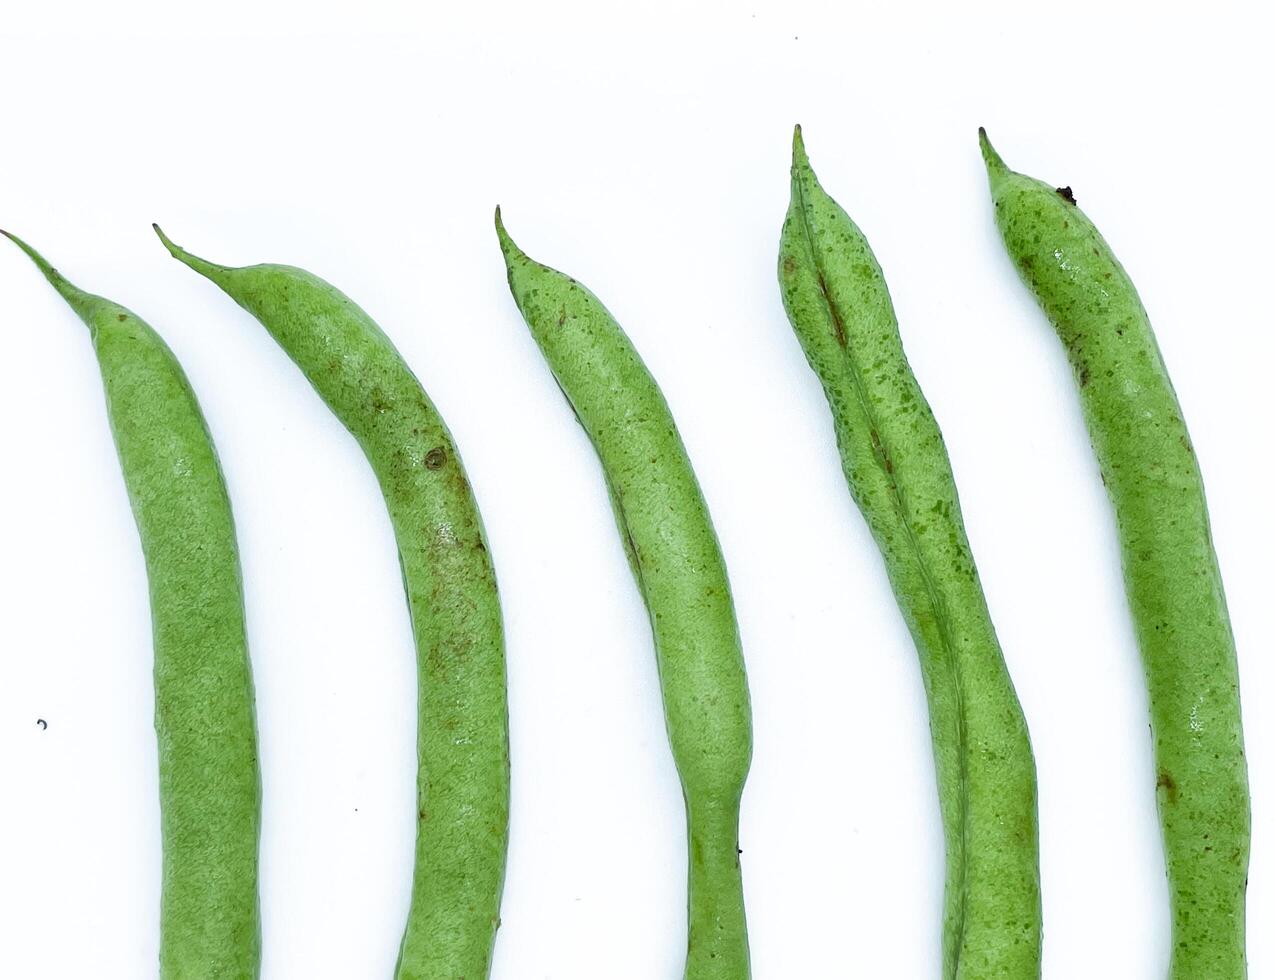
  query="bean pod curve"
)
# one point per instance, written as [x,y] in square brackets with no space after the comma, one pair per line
[899,474]
[1147,462]
[675,557]
[462,731]
[209,781]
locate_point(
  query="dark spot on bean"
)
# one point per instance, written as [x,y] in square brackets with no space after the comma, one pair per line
[435,458]
[1164,781]
[1066,194]
[1083,376]
[790,266]
[122,317]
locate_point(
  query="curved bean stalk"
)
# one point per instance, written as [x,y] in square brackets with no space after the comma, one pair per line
[673,551]
[462,734]
[1148,465]
[210,785]
[899,474]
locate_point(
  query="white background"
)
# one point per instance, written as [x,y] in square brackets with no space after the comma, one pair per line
[644,149]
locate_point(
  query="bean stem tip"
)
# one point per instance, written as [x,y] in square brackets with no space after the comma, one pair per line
[990,157]
[799,157]
[507,245]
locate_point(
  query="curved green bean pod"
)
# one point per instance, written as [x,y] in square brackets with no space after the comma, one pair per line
[462,734]
[677,562]
[899,474]
[1170,568]
[210,785]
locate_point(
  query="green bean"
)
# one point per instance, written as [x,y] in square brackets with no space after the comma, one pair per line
[210,786]
[1171,574]
[899,474]
[462,733]
[675,557]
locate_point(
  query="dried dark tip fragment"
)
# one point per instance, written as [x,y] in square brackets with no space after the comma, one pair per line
[435,458]
[1066,194]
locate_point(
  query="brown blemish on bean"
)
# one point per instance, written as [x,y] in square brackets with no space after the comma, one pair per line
[435,458]
[1066,194]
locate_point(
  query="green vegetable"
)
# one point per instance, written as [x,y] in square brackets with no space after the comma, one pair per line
[210,786]
[899,475]
[673,551]
[462,737]
[1170,569]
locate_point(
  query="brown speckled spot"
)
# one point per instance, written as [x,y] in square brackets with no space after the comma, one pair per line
[435,458]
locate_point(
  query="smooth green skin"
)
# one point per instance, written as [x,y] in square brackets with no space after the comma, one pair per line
[899,474]
[209,781]
[1170,569]
[463,730]
[673,551]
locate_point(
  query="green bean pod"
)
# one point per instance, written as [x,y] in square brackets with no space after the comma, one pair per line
[1171,574]
[210,785]
[677,562]
[462,733]
[899,474]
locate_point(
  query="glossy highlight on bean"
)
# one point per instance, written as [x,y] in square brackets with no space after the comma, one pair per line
[897,468]
[463,732]
[676,559]
[1147,462]
[210,785]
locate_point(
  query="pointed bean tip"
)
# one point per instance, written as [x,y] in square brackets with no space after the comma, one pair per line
[507,244]
[990,157]
[173,249]
[798,146]
[42,264]
[205,268]
[72,294]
